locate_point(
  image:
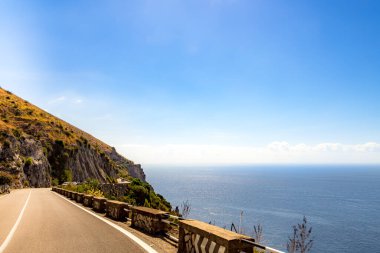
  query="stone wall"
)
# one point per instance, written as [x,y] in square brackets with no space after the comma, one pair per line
[117,190]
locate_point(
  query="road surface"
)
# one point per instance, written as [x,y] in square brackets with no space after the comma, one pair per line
[39,220]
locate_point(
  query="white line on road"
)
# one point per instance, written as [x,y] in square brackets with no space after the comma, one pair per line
[13,230]
[134,238]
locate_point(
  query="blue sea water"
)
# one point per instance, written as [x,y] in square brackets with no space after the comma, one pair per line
[341,203]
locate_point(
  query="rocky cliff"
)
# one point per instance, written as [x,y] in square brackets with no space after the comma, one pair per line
[37,149]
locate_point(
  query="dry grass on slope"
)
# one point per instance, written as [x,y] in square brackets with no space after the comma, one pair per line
[20,116]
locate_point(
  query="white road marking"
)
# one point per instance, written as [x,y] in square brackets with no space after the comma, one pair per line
[134,238]
[13,230]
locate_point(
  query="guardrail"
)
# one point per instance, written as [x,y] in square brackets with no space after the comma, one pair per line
[194,236]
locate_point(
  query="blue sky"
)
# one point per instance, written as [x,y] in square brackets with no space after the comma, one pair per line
[204,82]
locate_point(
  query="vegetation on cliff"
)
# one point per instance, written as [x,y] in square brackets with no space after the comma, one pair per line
[37,148]
[139,193]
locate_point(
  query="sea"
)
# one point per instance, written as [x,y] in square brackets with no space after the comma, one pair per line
[341,203]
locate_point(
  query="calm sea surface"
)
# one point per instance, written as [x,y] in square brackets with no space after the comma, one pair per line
[342,203]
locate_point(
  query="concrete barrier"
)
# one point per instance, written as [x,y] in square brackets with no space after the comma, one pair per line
[197,236]
[99,204]
[87,200]
[117,210]
[149,220]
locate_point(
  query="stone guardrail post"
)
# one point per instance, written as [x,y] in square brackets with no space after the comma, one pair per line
[117,210]
[149,220]
[99,204]
[87,200]
[72,195]
[197,236]
[79,197]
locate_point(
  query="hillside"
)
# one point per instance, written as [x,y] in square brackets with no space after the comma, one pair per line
[37,148]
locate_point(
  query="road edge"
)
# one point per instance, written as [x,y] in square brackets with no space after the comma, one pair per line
[131,236]
[14,228]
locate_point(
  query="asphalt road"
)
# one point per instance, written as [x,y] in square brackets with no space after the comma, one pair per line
[38,220]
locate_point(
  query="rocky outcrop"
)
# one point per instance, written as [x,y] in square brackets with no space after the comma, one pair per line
[134,170]
[25,160]
[31,164]
[88,163]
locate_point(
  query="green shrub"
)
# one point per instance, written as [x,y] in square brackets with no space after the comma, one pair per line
[139,194]
[68,175]
[45,151]
[146,203]
[55,182]
[60,143]
[96,193]
[142,194]
[28,161]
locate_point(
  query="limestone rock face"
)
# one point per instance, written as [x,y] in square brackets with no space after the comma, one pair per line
[24,159]
[31,165]
[134,170]
[87,163]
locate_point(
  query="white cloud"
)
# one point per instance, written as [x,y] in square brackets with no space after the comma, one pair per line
[275,152]
[57,100]
[62,99]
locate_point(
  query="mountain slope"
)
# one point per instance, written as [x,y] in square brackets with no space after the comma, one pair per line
[37,148]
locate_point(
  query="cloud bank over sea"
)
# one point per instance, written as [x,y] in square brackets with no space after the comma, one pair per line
[276,152]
